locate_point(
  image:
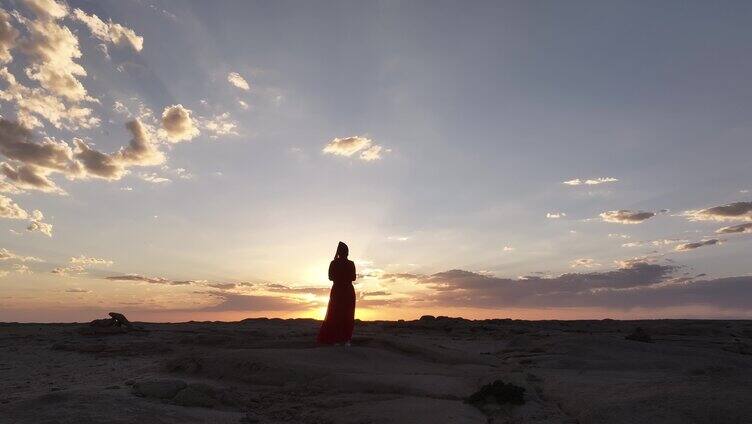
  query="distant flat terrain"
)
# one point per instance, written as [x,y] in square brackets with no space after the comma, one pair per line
[271,371]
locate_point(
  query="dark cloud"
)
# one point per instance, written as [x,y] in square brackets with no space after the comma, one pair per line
[98,164]
[375,293]
[17,143]
[34,161]
[222,286]
[280,288]
[741,228]
[150,280]
[694,245]
[30,177]
[624,216]
[638,285]
[729,212]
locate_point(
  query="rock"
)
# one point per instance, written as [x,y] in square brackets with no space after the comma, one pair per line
[198,394]
[639,335]
[499,393]
[102,323]
[120,319]
[160,389]
[428,318]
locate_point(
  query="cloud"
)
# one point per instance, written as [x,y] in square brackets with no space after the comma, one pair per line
[741,228]
[52,50]
[80,264]
[243,105]
[52,53]
[109,32]
[639,285]
[141,150]
[89,261]
[398,238]
[98,164]
[349,146]
[7,255]
[574,289]
[36,161]
[238,81]
[583,263]
[372,153]
[47,9]
[22,269]
[16,143]
[35,103]
[281,288]
[178,124]
[507,249]
[624,216]
[590,181]
[220,125]
[150,280]
[555,215]
[10,210]
[8,37]
[154,178]
[38,225]
[76,290]
[243,302]
[694,245]
[737,211]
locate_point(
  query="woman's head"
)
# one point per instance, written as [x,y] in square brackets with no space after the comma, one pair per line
[342,251]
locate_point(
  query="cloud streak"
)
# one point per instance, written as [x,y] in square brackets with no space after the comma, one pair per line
[625,216]
[735,229]
[737,211]
[109,32]
[590,181]
[694,245]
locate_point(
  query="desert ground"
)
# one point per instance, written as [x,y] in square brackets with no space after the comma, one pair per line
[423,371]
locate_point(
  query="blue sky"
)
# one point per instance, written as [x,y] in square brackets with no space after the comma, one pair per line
[478,113]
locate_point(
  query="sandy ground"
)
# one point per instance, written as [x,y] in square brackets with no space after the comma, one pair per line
[270,371]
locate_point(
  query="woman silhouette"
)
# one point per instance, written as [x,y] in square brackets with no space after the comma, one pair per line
[340,314]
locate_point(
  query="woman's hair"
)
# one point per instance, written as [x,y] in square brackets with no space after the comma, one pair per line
[342,251]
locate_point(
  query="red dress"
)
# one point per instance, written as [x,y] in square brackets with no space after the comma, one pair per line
[340,314]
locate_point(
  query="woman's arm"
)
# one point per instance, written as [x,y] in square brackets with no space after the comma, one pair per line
[331,271]
[352,271]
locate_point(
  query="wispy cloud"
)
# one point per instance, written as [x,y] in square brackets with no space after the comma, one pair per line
[238,81]
[7,255]
[109,32]
[694,245]
[584,263]
[590,181]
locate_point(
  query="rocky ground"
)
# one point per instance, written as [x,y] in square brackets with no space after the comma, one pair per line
[271,371]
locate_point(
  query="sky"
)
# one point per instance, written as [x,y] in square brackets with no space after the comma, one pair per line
[200,160]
